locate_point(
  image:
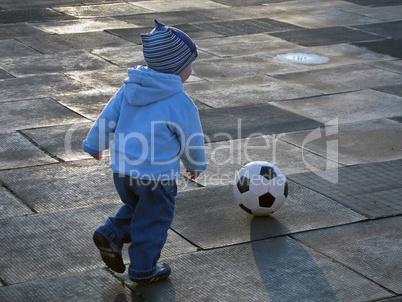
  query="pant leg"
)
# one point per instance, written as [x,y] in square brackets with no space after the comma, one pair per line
[149,226]
[117,228]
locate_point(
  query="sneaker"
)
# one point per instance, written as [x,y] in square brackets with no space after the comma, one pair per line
[162,274]
[110,254]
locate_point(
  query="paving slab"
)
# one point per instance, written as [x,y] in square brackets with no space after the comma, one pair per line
[351,144]
[244,27]
[5,75]
[89,103]
[31,87]
[40,246]
[16,152]
[358,190]
[16,30]
[231,225]
[369,248]
[339,54]
[10,206]
[390,47]
[197,32]
[332,80]
[9,4]
[102,10]
[47,43]
[386,29]
[222,124]
[391,89]
[347,107]
[279,269]
[241,3]
[177,5]
[315,14]
[54,63]
[134,34]
[226,158]
[81,25]
[130,34]
[395,65]
[234,13]
[326,36]
[31,15]
[50,255]
[51,43]
[307,6]
[240,67]
[246,91]
[172,18]
[243,45]
[80,183]
[92,285]
[29,114]
[63,142]
[125,56]
[90,40]
[13,48]
[55,244]
[397,118]
[104,81]
[54,187]
[375,3]
[319,17]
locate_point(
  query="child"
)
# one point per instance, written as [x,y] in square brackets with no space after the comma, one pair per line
[150,124]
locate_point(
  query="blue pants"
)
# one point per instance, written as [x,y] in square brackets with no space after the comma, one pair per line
[143,220]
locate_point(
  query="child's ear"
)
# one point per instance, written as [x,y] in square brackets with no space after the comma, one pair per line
[185,73]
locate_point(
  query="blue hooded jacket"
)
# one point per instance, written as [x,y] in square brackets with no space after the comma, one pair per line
[149,125]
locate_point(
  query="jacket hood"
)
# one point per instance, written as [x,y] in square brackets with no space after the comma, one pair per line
[144,86]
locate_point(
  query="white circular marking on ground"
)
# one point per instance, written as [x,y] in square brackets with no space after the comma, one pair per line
[302,58]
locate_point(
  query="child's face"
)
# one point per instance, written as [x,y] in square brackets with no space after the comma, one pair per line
[185,74]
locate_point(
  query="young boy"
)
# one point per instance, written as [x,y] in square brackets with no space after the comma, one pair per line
[149,125]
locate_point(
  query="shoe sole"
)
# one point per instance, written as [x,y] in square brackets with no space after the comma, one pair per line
[153,279]
[112,259]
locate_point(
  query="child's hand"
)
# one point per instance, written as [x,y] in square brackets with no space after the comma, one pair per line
[97,156]
[193,175]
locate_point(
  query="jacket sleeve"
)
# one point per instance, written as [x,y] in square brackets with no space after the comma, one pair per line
[102,132]
[193,146]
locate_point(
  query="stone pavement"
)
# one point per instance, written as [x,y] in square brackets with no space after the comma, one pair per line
[333,127]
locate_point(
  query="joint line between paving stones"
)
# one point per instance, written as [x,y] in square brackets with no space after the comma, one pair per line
[69,109]
[344,265]
[38,165]
[313,152]
[106,60]
[199,248]
[310,97]
[3,282]
[120,36]
[40,147]
[192,181]
[29,46]
[371,40]
[299,232]
[383,68]
[368,32]
[4,185]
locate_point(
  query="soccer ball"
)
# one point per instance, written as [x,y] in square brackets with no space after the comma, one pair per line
[260,188]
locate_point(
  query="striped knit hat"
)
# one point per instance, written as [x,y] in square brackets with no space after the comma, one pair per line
[168,49]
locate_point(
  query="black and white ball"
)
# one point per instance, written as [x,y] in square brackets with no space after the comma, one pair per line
[260,188]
